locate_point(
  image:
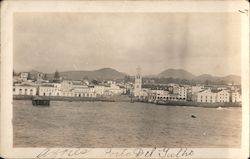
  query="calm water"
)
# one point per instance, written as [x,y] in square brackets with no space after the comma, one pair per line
[118,124]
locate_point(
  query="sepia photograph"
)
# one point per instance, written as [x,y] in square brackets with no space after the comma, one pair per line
[127,80]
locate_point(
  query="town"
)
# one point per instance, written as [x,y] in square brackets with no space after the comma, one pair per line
[136,89]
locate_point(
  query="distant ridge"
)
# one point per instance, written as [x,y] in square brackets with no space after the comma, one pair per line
[176,73]
[112,74]
[100,74]
[183,74]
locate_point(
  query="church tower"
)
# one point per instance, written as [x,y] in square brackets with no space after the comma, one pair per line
[138,82]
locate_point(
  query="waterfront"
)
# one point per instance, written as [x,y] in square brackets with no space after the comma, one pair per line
[123,124]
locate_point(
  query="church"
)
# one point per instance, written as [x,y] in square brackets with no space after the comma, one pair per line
[138,91]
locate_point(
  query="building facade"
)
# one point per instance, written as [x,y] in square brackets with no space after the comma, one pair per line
[24,90]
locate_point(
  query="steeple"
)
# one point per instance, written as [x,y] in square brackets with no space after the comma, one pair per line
[138,82]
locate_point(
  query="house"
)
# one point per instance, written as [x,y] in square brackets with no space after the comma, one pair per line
[24,76]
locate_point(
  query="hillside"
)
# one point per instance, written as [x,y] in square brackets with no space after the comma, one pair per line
[112,74]
[101,74]
[176,73]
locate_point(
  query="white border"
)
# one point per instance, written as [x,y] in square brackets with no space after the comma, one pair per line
[10,7]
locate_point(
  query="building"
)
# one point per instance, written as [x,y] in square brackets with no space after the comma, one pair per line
[99,90]
[83,91]
[138,83]
[24,76]
[223,96]
[207,96]
[48,90]
[213,96]
[24,90]
[235,97]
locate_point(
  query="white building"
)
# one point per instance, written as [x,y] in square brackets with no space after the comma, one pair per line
[181,91]
[83,91]
[99,90]
[48,90]
[66,85]
[213,96]
[24,76]
[223,96]
[115,90]
[206,96]
[24,90]
[235,97]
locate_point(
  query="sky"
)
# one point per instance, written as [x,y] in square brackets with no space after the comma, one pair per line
[201,43]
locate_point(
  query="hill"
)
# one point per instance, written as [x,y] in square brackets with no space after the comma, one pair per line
[176,73]
[100,74]
[183,74]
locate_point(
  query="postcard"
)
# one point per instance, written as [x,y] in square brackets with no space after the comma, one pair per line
[124,79]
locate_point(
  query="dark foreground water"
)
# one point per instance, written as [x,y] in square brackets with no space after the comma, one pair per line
[120,124]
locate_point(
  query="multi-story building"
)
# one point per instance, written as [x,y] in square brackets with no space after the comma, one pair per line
[235,97]
[99,90]
[223,96]
[213,96]
[207,96]
[182,92]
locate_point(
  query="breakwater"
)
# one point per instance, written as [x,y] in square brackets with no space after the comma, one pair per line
[125,98]
[60,98]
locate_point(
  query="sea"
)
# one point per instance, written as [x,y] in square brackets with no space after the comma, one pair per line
[124,124]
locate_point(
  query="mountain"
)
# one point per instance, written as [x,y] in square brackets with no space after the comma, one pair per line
[101,74]
[183,74]
[112,74]
[228,79]
[176,73]
[205,77]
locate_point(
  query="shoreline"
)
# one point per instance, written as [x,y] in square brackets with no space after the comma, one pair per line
[128,99]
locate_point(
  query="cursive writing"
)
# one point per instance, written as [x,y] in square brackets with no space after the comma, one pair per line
[149,153]
[63,152]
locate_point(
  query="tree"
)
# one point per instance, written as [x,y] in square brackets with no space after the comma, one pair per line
[29,76]
[95,82]
[56,75]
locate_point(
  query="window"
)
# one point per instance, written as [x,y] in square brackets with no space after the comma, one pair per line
[14,89]
[31,92]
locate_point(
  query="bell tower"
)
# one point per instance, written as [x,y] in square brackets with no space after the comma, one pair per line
[138,82]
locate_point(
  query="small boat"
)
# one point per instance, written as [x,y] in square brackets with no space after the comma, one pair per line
[38,101]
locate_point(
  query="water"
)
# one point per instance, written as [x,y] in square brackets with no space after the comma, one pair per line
[120,124]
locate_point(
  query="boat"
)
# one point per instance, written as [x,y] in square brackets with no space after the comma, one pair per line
[39,101]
